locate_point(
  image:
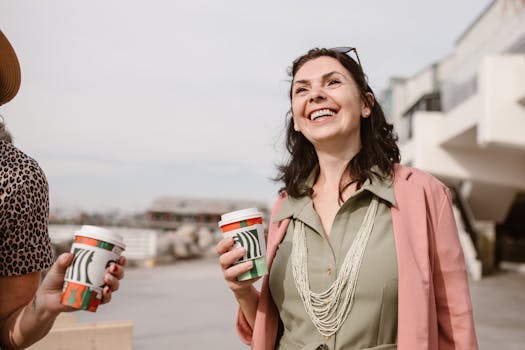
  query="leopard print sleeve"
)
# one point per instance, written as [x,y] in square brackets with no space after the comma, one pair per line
[24,210]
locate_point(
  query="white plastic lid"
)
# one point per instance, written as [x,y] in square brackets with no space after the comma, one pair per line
[239,215]
[101,234]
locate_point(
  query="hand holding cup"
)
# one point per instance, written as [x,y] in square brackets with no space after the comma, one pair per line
[94,272]
[49,294]
[243,249]
[228,256]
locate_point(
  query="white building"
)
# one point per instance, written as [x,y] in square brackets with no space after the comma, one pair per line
[463,120]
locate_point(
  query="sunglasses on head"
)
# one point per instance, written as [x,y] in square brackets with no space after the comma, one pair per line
[348,50]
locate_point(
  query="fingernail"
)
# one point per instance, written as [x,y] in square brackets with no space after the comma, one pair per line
[114,268]
[110,277]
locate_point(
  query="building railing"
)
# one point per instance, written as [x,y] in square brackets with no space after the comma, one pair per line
[453,94]
[427,102]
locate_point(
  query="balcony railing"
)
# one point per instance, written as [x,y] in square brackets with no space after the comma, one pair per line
[453,94]
[427,102]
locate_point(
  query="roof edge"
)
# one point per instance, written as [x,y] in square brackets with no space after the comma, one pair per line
[474,22]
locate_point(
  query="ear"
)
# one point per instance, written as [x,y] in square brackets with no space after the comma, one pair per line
[295,126]
[366,108]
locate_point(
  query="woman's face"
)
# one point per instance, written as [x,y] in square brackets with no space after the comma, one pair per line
[326,103]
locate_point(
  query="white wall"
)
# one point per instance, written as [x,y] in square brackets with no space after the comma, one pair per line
[502,85]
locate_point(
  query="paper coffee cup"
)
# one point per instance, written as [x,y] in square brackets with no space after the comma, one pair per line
[94,249]
[246,228]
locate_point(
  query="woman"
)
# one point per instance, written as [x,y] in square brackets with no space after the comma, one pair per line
[27,310]
[363,253]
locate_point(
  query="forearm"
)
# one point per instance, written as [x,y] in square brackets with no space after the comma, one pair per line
[26,326]
[248,301]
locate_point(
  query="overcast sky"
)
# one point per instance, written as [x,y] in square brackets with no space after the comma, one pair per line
[123,101]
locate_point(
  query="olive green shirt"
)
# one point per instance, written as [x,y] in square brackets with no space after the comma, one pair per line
[372,321]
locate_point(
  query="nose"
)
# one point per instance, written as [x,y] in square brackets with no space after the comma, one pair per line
[317,94]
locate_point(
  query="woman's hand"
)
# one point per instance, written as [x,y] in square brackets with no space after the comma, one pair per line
[244,291]
[114,273]
[227,258]
[47,298]
[23,321]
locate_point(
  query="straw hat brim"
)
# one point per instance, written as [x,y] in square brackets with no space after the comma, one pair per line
[9,71]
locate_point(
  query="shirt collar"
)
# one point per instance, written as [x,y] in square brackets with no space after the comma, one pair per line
[383,189]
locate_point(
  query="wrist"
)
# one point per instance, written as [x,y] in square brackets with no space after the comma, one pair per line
[244,293]
[40,309]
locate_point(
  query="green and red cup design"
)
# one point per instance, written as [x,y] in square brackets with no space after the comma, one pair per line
[94,249]
[246,228]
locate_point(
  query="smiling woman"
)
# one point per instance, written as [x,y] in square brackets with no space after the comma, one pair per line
[363,253]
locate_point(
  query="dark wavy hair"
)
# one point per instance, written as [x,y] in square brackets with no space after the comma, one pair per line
[378,141]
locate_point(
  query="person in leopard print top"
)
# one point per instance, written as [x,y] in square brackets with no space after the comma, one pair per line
[24,243]
[27,309]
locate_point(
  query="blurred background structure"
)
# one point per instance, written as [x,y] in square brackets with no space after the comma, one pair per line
[171,228]
[462,119]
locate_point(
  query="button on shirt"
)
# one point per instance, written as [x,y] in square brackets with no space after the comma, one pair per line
[372,321]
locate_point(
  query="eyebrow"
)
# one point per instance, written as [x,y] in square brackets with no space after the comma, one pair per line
[324,77]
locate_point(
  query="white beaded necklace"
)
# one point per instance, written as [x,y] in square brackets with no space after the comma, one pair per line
[329,309]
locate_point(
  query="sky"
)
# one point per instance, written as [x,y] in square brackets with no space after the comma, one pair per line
[125,101]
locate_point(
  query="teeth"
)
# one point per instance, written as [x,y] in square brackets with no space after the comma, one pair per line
[321,113]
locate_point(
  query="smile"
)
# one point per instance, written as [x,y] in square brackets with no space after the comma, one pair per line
[322,113]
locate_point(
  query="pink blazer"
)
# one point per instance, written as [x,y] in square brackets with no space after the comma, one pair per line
[435,310]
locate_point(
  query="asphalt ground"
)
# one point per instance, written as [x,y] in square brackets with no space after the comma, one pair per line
[187,305]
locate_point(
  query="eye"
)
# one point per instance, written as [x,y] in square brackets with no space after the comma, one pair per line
[300,89]
[333,82]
